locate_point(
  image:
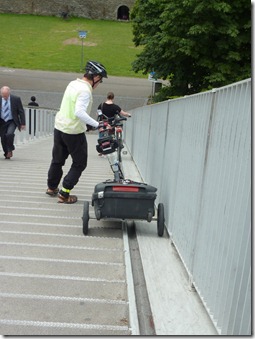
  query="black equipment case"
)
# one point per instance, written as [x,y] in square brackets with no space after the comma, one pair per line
[125,200]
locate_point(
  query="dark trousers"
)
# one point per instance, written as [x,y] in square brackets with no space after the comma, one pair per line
[7,135]
[65,145]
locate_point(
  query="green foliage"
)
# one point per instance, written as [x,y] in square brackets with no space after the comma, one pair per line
[51,43]
[196,44]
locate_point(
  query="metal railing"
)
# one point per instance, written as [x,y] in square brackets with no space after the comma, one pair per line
[197,151]
[39,123]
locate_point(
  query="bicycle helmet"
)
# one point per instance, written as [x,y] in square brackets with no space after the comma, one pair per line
[95,68]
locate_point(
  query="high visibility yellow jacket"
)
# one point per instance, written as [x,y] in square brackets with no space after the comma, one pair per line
[66,120]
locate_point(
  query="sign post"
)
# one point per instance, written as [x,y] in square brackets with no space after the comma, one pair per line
[152,77]
[82,35]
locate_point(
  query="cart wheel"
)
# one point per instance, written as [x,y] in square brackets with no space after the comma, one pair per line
[85,218]
[160,220]
[98,213]
[149,216]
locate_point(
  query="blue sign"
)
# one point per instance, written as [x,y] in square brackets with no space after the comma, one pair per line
[82,34]
[152,76]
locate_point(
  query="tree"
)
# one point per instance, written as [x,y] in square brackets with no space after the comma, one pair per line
[196,44]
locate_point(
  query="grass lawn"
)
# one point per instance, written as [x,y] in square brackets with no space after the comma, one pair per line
[53,44]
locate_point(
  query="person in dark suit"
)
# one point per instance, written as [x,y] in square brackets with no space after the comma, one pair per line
[12,117]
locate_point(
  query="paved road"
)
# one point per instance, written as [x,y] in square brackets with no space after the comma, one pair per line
[48,87]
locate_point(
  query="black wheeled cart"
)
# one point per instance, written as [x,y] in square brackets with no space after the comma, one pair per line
[124,200]
[121,198]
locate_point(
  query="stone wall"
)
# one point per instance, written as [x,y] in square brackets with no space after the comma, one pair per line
[92,9]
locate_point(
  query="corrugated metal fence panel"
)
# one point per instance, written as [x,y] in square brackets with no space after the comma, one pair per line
[201,165]
[172,159]
[156,147]
[140,126]
[225,199]
[196,112]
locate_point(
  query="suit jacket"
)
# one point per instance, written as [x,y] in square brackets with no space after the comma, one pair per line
[17,110]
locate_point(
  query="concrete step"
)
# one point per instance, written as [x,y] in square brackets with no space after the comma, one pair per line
[61,239]
[61,253]
[80,268]
[106,290]
[54,280]
[67,311]
[28,328]
[106,229]
[32,328]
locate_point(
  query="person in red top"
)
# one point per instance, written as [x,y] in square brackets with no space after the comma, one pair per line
[107,111]
[109,108]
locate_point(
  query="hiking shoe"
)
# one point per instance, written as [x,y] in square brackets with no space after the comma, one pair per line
[69,199]
[52,193]
[8,155]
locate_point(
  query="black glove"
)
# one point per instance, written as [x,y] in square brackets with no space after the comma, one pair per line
[89,128]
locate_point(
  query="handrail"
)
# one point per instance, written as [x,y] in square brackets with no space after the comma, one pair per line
[39,123]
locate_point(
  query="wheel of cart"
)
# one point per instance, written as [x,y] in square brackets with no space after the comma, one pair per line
[85,218]
[160,220]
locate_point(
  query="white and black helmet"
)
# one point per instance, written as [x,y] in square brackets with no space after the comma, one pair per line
[95,68]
